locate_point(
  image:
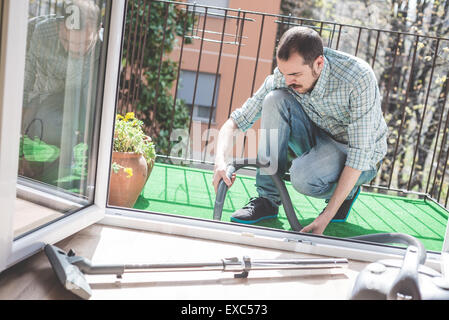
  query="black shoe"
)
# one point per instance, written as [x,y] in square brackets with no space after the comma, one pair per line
[255,210]
[345,208]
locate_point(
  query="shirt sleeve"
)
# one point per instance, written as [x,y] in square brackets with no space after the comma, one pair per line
[364,106]
[250,112]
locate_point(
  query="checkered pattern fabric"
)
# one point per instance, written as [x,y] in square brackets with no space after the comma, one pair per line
[46,67]
[345,102]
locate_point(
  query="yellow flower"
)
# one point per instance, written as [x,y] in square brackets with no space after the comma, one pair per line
[441,80]
[119,117]
[129,116]
[129,171]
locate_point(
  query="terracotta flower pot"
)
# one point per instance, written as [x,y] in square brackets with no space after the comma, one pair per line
[124,189]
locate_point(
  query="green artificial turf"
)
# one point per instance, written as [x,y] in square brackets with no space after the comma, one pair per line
[189,192]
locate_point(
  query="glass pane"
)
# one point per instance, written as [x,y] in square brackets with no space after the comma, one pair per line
[204,83]
[409,194]
[214,3]
[202,113]
[60,108]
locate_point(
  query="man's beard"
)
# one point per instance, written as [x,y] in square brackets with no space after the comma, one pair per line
[301,88]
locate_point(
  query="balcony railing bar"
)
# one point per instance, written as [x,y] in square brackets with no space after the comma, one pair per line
[184,29]
[304,19]
[141,55]
[292,24]
[358,43]
[423,114]
[215,83]
[216,14]
[197,70]
[403,110]
[442,144]
[160,67]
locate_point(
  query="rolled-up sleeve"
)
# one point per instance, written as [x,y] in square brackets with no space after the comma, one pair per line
[251,110]
[364,110]
[245,116]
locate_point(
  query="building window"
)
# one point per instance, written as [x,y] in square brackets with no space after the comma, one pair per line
[204,93]
[213,3]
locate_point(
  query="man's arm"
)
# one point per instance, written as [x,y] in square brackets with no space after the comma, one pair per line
[224,148]
[346,183]
[241,120]
[365,104]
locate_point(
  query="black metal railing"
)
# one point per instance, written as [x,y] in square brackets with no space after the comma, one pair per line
[412,71]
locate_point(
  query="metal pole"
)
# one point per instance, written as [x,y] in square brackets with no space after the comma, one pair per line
[234,264]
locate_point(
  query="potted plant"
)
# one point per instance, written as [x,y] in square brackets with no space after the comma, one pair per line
[133,157]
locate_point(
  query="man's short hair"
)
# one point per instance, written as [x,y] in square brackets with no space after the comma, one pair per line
[302,40]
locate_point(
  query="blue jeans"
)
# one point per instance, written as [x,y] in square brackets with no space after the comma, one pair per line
[320,159]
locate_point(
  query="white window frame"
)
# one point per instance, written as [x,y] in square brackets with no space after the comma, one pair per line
[260,236]
[12,58]
[13,48]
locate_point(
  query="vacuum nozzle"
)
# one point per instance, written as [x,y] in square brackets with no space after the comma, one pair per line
[68,274]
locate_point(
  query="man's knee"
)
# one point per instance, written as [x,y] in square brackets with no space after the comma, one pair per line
[276,98]
[307,187]
[305,181]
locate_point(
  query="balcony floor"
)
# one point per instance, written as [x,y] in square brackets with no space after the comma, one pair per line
[188,192]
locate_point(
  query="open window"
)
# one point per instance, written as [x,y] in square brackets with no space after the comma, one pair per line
[57,58]
[235,48]
[62,184]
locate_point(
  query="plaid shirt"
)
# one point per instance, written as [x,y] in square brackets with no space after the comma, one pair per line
[345,102]
[46,67]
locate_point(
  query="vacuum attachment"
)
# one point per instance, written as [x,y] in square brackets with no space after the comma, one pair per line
[394,279]
[70,269]
[69,275]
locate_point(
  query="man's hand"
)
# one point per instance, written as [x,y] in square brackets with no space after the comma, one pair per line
[318,225]
[346,182]
[220,173]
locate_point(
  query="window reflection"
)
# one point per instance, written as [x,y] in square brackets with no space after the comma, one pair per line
[60,89]
[59,131]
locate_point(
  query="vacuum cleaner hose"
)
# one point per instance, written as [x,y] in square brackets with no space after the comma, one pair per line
[386,238]
[396,238]
[285,198]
